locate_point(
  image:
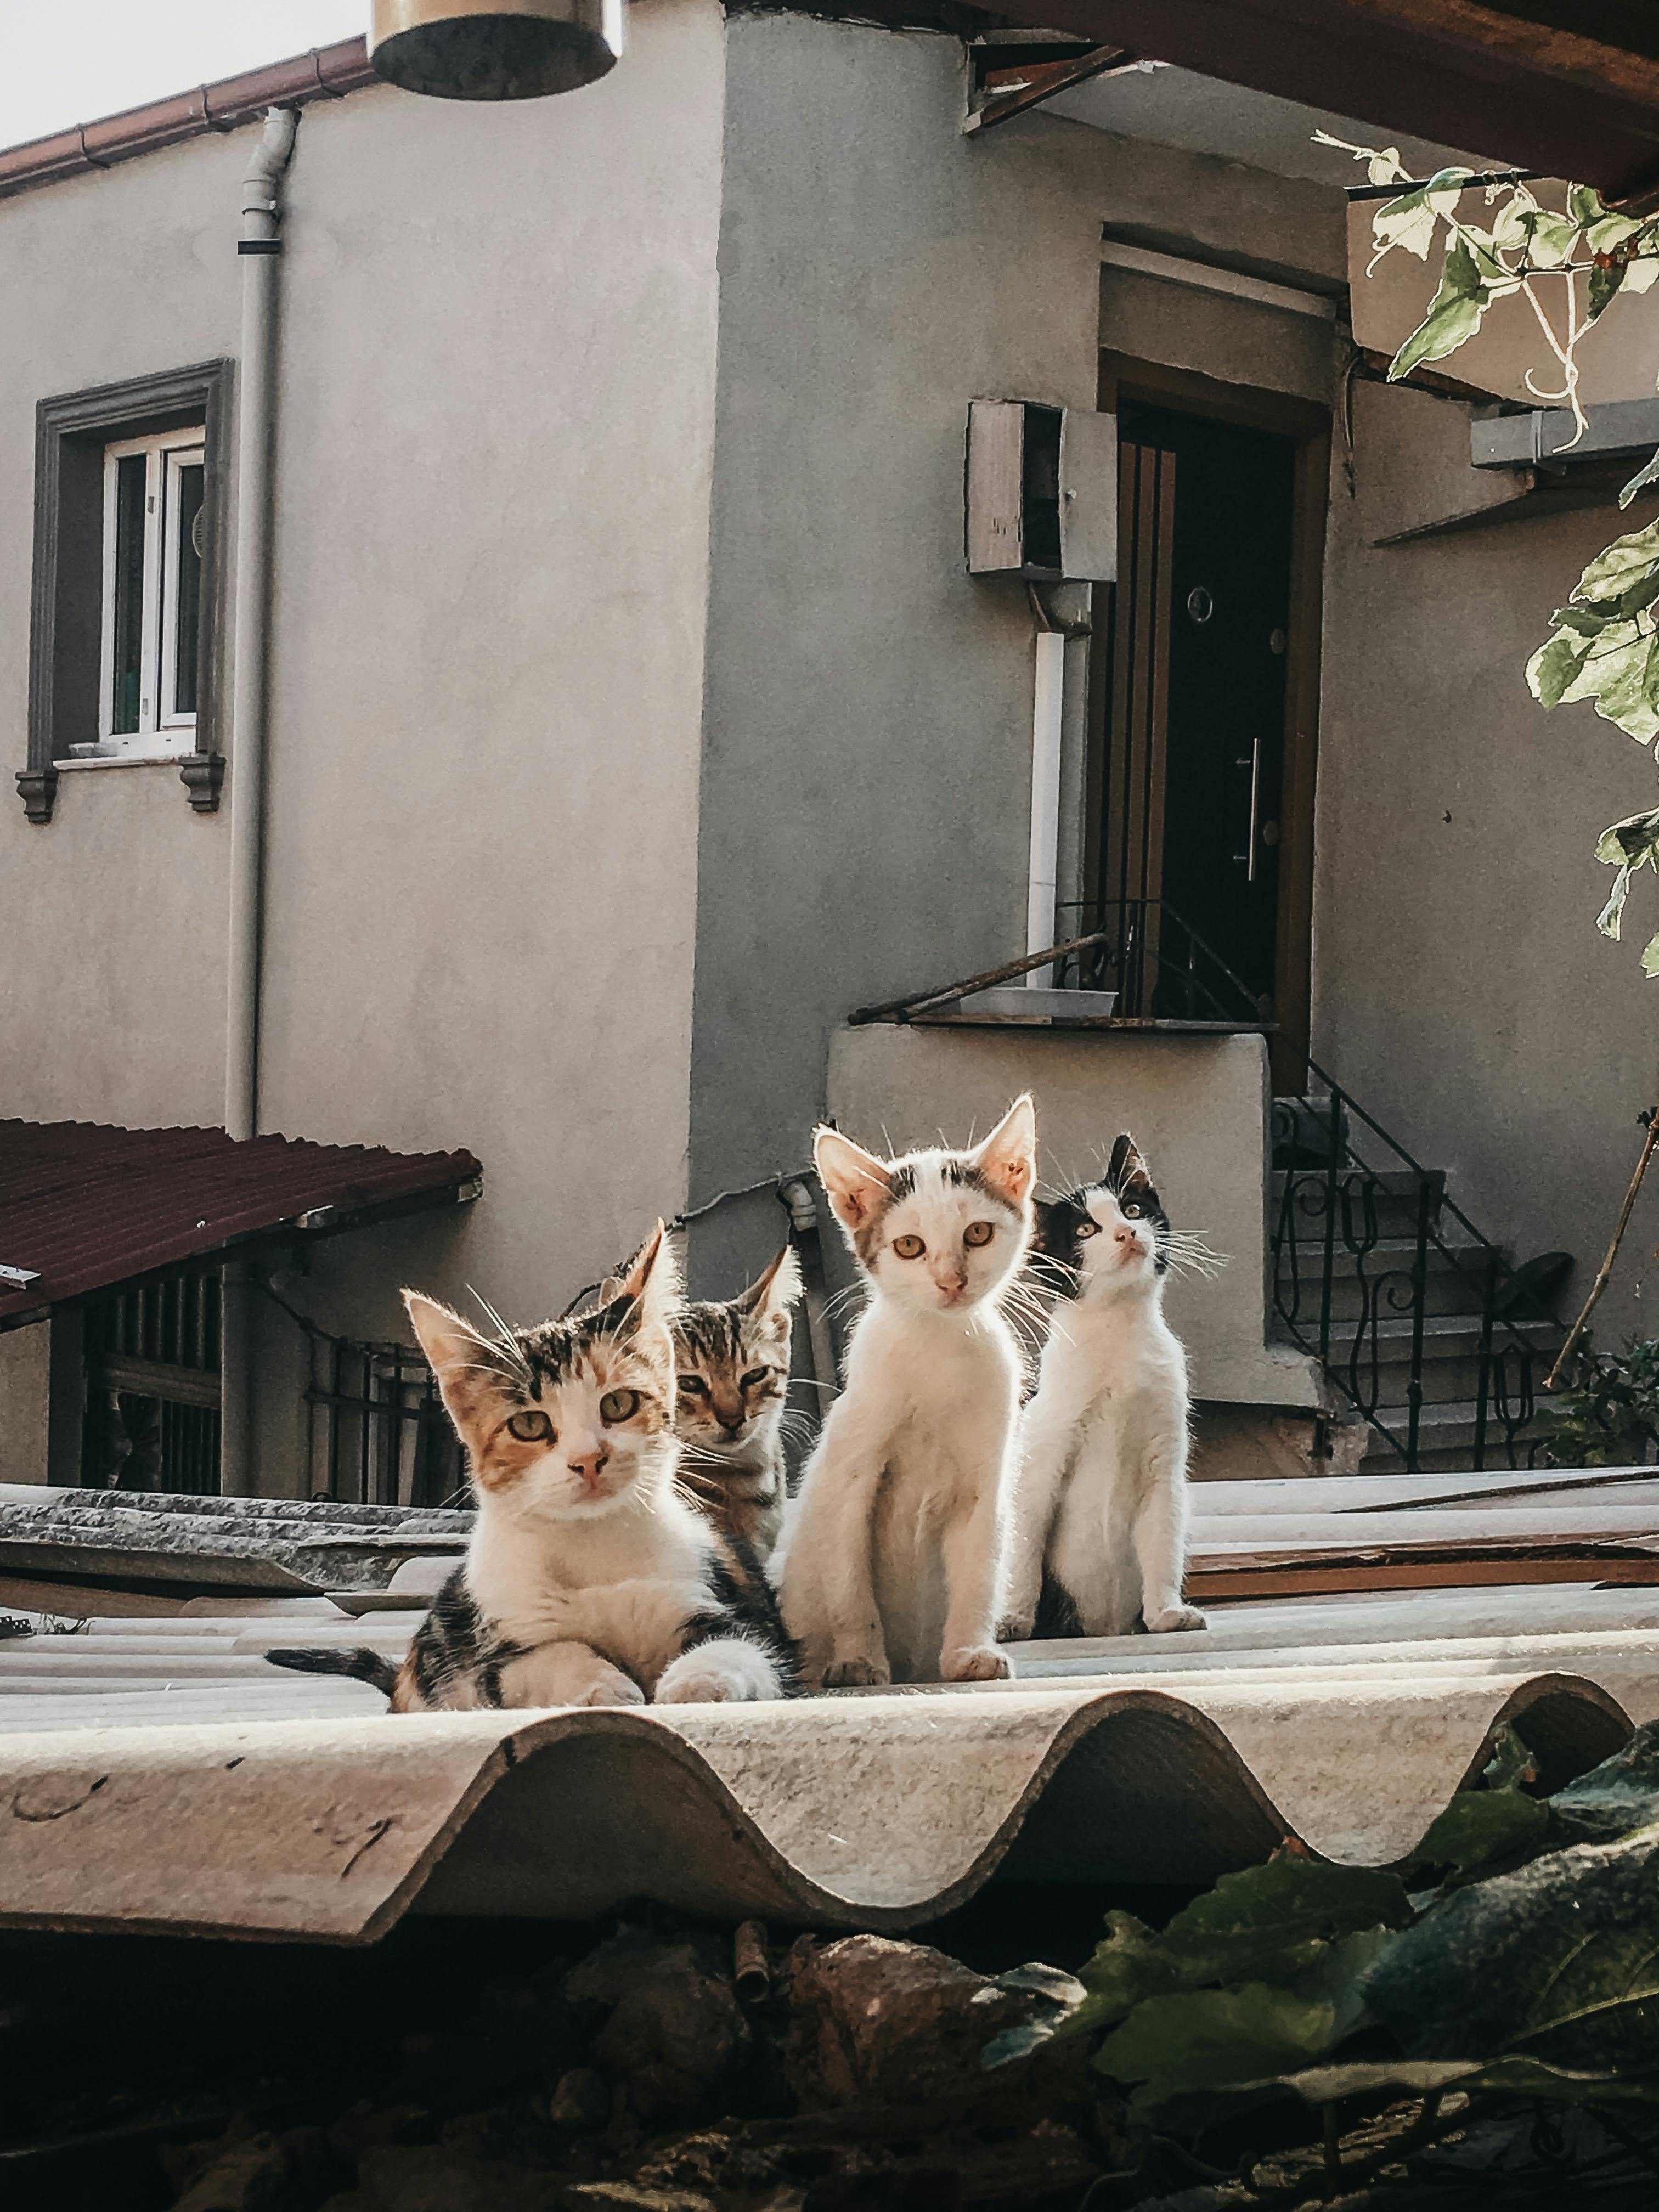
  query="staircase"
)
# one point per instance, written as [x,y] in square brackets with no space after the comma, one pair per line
[1424,1329]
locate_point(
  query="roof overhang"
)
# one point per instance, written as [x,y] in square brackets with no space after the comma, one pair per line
[84,1207]
[1569,87]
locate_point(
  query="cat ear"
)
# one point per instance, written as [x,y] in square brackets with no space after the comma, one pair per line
[856,1181]
[652,1286]
[467,1365]
[1007,1159]
[773,1293]
[1127,1166]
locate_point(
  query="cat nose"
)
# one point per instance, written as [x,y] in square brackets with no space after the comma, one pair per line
[729,1416]
[588,1461]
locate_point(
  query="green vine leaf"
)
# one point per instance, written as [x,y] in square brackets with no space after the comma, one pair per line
[1454,315]
[1649,474]
[1651,957]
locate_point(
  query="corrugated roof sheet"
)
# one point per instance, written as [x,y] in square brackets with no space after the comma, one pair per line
[160,1776]
[84,1206]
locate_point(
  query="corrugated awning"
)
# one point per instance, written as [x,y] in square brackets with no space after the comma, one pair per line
[84,1206]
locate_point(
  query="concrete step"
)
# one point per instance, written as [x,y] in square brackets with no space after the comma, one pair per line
[1454,1270]
[1451,1353]
[1446,1439]
[1387,1198]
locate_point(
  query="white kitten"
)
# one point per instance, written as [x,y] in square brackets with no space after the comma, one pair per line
[1101,1490]
[894,1542]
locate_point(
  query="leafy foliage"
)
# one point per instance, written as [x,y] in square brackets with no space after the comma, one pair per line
[1603,645]
[1611,1409]
[1528,1967]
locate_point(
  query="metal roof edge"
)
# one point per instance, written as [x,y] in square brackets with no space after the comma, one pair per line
[322,73]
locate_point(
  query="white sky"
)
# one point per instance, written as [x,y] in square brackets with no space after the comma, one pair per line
[72,61]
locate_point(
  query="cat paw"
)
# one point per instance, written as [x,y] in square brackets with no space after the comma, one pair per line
[1174,1617]
[1016,1628]
[620,1692]
[857,1674]
[726,1673]
[977,1663]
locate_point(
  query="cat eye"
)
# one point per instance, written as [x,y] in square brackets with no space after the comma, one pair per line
[619,1406]
[530,1428]
[755,1375]
[1087,1228]
[694,1386]
[979,1233]
[1131,1212]
[908,1248]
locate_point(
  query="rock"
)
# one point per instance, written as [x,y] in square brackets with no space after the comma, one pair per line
[634,1954]
[581,2099]
[366,2124]
[265,2173]
[897,2023]
[675,2038]
[632,2197]
[428,2177]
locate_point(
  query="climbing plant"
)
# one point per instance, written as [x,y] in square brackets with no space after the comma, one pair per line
[1567,265]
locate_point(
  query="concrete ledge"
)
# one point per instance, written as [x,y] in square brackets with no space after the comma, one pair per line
[1199,1107]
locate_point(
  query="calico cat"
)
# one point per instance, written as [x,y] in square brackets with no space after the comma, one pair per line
[894,1543]
[1100,1496]
[590,1580]
[731,1380]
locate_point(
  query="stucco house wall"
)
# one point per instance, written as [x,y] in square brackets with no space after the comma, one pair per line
[495,421]
[866,784]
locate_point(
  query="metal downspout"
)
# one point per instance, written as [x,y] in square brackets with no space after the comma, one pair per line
[259,249]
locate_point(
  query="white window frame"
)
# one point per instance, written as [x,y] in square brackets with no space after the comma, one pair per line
[161,728]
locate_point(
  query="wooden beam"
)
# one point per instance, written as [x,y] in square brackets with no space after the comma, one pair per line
[1008,92]
[1577,99]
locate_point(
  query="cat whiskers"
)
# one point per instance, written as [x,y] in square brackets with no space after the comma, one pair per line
[1186,1254]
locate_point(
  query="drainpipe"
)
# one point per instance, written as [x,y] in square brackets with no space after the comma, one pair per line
[259,250]
[1048,731]
[260,247]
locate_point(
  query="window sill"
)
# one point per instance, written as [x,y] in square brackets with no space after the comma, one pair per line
[159,757]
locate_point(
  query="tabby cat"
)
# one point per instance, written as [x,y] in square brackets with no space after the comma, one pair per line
[732,1379]
[589,1580]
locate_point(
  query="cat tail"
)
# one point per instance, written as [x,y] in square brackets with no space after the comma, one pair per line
[362,1665]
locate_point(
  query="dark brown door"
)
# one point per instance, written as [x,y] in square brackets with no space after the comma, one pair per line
[1192,741]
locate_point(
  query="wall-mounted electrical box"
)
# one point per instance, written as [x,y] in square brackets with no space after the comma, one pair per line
[1042,491]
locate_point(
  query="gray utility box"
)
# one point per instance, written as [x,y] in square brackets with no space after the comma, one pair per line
[1042,492]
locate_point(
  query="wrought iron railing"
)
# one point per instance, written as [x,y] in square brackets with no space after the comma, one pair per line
[1160,968]
[376,1431]
[1375,1269]
[1360,1224]
[151,1419]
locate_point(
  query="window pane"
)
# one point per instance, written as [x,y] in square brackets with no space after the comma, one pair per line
[131,473]
[187,591]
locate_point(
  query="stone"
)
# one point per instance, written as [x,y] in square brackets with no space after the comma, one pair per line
[581,2099]
[632,2197]
[430,2178]
[894,2023]
[676,2038]
[263,2173]
[366,2124]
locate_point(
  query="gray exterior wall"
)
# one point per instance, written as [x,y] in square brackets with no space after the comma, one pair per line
[865,783]
[496,395]
[1198,1107]
[1461,988]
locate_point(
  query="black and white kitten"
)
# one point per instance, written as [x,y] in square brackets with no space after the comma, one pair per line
[590,1580]
[1100,1500]
[732,1381]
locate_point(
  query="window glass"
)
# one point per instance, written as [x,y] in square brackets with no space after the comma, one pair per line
[184,547]
[131,482]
